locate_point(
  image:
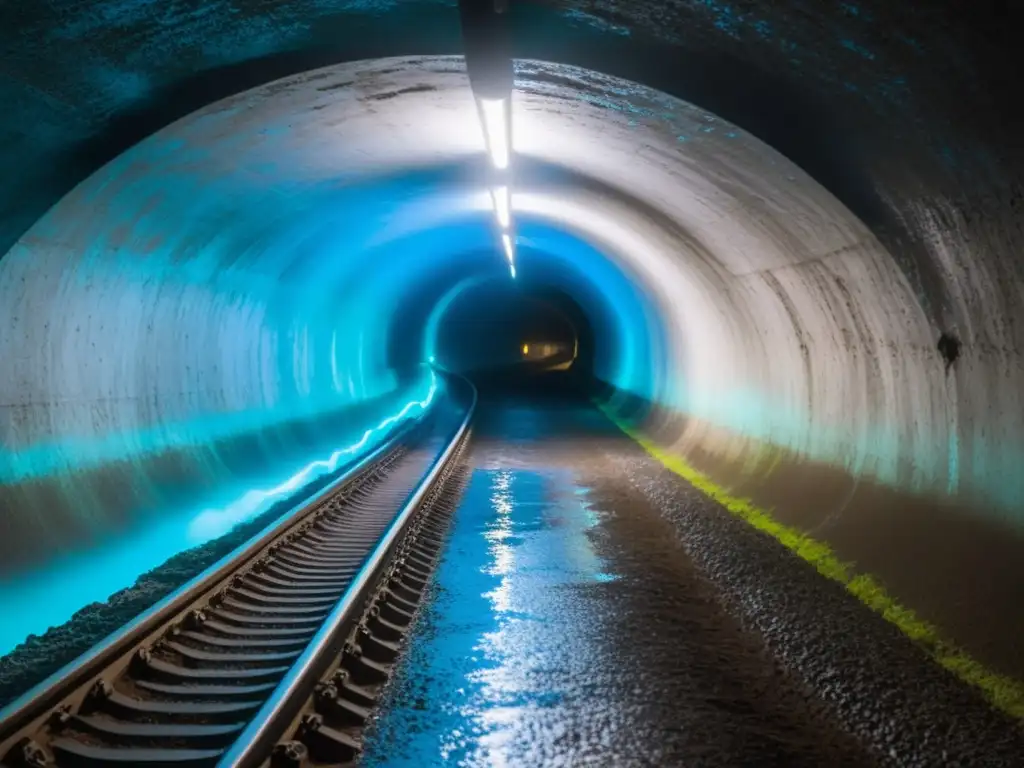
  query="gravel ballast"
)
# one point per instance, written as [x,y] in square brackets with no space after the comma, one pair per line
[880,686]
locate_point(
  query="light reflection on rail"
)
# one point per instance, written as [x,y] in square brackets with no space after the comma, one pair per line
[211,523]
[46,597]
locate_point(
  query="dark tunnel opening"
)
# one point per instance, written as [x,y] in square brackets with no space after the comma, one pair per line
[501,325]
[490,328]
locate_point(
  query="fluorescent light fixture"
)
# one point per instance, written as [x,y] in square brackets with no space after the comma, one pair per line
[495,112]
[503,205]
[506,240]
[512,269]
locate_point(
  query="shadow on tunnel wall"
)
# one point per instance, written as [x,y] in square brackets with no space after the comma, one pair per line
[922,111]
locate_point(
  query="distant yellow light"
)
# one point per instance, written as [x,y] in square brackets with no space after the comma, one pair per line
[526,349]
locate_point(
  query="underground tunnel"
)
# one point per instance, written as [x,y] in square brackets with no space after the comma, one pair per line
[763,253]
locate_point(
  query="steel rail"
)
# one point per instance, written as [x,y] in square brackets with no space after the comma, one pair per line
[44,696]
[269,724]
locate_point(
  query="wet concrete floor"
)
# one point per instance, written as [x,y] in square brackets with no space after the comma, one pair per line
[567,626]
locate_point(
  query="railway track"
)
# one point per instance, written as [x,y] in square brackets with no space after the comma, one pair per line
[276,654]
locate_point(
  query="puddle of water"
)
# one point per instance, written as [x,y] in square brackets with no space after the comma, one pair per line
[504,643]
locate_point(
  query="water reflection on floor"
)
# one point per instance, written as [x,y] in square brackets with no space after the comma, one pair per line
[567,626]
[505,640]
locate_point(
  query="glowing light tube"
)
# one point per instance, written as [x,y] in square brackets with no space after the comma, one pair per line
[495,117]
[506,241]
[502,205]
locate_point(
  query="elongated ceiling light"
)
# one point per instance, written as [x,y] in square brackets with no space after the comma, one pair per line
[495,119]
[503,205]
[506,240]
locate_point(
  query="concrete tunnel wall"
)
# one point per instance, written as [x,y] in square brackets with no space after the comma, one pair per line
[795,318]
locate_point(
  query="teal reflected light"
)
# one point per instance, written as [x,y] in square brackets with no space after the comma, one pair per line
[439,309]
[632,352]
[211,523]
[451,227]
[48,595]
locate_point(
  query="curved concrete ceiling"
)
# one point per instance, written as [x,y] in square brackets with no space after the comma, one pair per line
[776,256]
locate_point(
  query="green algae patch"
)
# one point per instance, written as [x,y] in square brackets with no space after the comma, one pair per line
[1003,692]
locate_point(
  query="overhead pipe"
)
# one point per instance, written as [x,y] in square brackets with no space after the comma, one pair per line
[488,51]
[488,48]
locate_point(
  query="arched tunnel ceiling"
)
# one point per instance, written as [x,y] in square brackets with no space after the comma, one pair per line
[744,258]
[878,104]
[834,192]
[867,97]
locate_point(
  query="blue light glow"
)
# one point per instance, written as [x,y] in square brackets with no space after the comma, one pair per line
[629,340]
[442,306]
[47,596]
[211,523]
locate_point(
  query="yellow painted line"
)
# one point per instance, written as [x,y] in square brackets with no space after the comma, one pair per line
[1003,692]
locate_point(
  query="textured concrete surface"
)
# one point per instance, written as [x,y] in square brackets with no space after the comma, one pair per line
[835,187]
[959,570]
